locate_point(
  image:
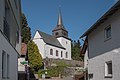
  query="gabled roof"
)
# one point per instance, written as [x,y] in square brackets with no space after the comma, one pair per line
[49,39]
[103,18]
[84,47]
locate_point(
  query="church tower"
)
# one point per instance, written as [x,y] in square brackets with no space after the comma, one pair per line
[62,36]
[59,30]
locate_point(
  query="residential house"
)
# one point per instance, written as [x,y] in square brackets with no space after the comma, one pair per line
[23,63]
[10,38]
[57,45]
[102,46]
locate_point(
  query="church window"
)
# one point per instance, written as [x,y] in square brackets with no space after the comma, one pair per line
[65,34]
[56,52]
[66,54]
[56,33]
[51,51]
[61,54]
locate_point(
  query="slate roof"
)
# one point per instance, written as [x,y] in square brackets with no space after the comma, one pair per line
[49,39]
[103,18]
[60,23]
[58,27]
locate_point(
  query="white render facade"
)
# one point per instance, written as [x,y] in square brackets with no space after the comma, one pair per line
[104,53]
[44,48]
[57,45]
[10,39]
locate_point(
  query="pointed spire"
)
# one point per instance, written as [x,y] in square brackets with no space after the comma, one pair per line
[59,18]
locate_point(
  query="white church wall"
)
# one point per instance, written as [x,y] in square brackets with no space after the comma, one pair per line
[40,43]
[66,44]
[44,48]
[47,49]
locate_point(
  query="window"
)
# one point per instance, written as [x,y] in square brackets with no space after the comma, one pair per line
[108,69]
[90,76]
[108,32]
[17,37]
[6,29]
[66,42]
[66,54]
[56,33]
[8,66]
[61,54]
[56,52]
[51,51]
[64,33]
[5,65]
[15,3]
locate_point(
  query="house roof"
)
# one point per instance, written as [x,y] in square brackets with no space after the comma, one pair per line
[84,47]
[102,19]
[51,40]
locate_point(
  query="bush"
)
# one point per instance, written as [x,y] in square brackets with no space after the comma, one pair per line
[52,71]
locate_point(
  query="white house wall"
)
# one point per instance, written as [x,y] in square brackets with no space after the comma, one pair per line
[13,56]
[11,48]
[97,65]
[86,60]
[101,51]
[14,23]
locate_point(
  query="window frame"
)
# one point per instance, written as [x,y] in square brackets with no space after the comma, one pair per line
[8,66]
[51,51]
[66,55]
[90,76]
[107,68]
[61,53]
[56,52]
[108,35]
[5,65]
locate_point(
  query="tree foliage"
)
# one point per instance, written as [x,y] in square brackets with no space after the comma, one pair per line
[25,31]
[75,50]
[34,57]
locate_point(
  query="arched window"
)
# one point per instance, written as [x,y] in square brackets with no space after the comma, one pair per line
[61,54]
[56,52]
[66,54]
[51,51]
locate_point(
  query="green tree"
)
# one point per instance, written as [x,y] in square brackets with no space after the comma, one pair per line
[34,57]
[25,31]
[75,50]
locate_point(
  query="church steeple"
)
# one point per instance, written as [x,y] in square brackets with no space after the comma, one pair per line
[59,18]
[59,30]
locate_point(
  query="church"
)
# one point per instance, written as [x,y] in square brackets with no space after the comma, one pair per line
[55,46]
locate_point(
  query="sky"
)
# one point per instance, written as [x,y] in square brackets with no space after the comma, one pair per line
[77,15]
